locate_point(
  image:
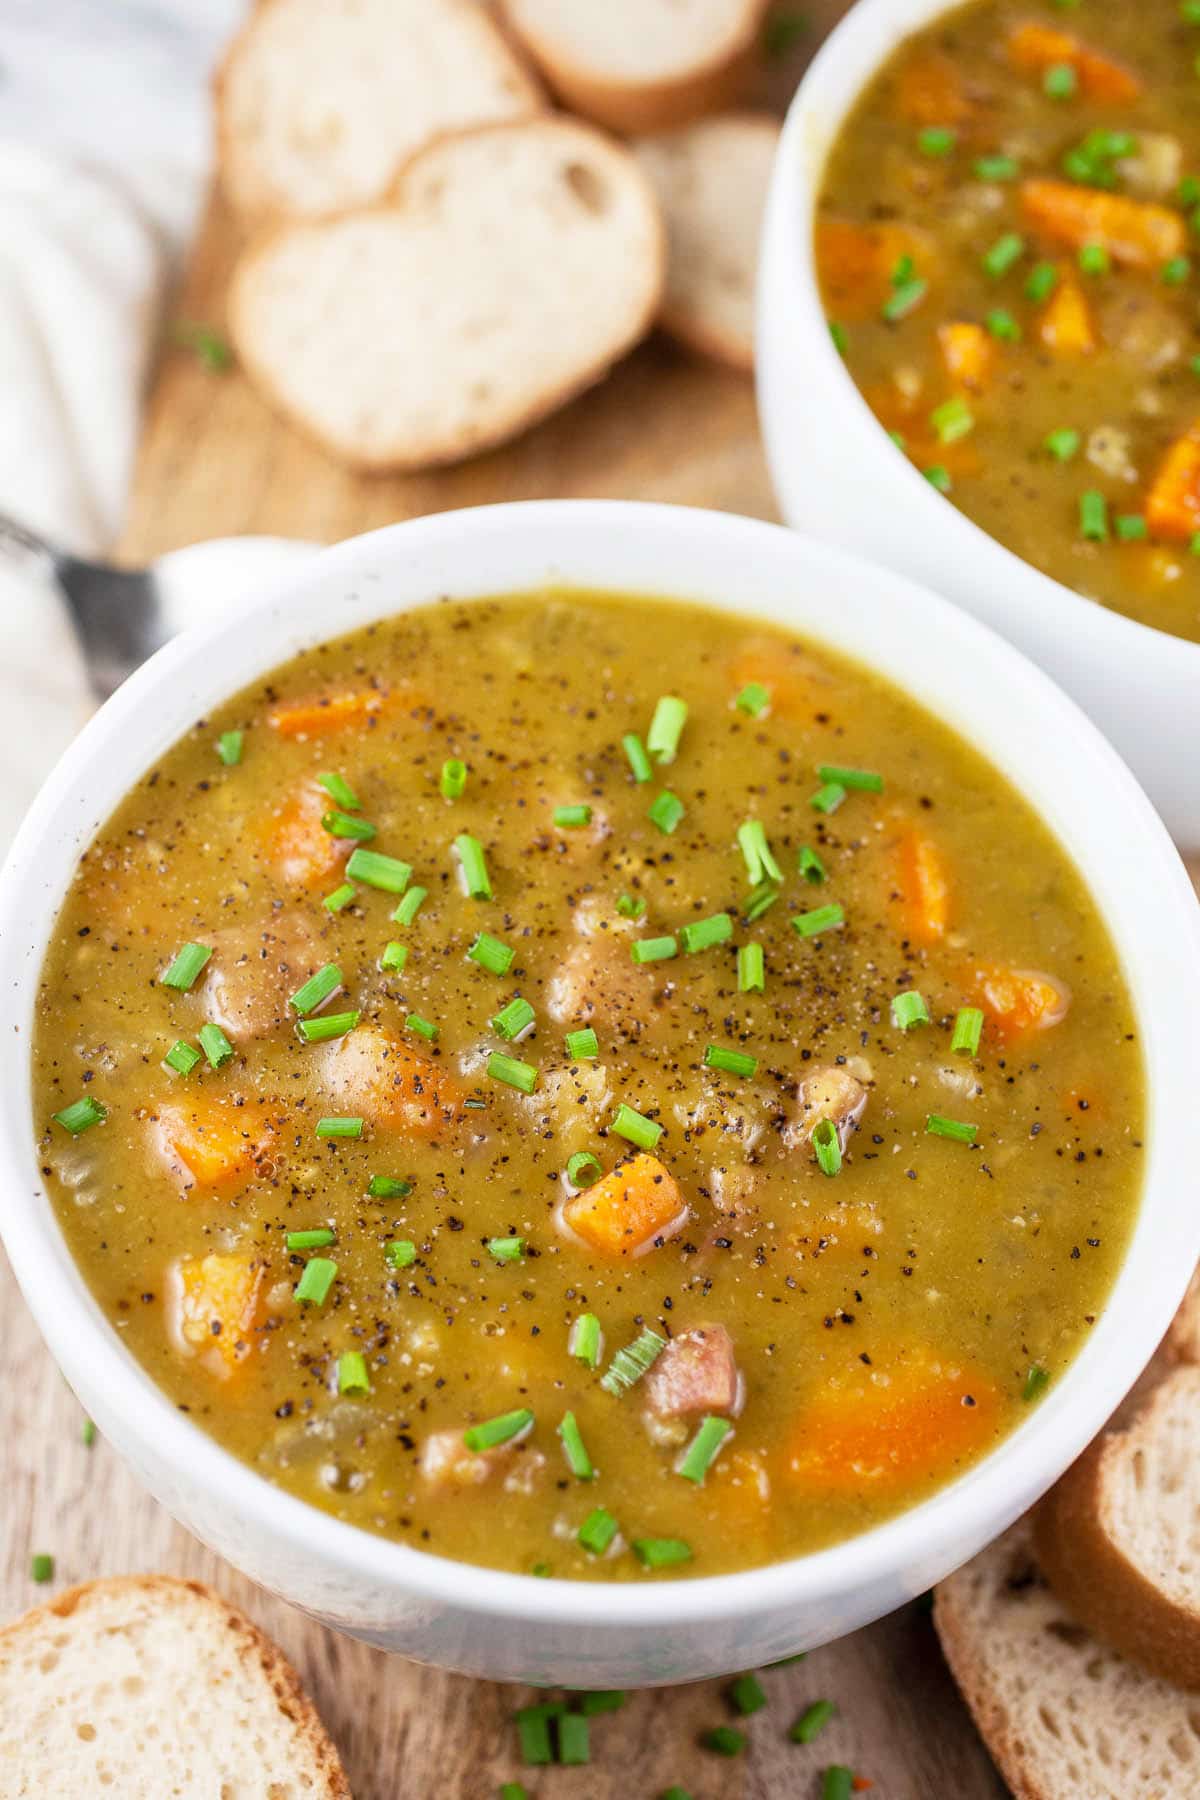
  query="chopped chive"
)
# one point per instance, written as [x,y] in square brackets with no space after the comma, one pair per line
[837,1782]
[968,1029]
[598,1531]
[1060,81]
[1130,527]
[574,1449]
[936,140]
[938,477]
[702,1452]
[909,1010]
[760,900]
[318,1277]
[602,1700]
[938,1126]
[352,1377]
[317,989]
[811,866]
[215,1045]
[41,1567]
[1041,281]
[570,818]
[514,1019]
[573,1742]
[751,974]
[863,780]
[473,866]
[1036,1382]
[340,897]
[630,1363]
[812,1721]
[533,1735]
[1093,516]
[323,1029]
[753,699]
[821,918]
[666,728]
[731,1062]
[453,779]
[500,1430]
[704,933]
[394,957]
[639,762]
[903,299]
[760,863]
[629,908]
[1175,272]
[340,792]
[666,812]
[400,1253]
[88,1434]
[181,1057]
[423,1027]
[229,747]
[491,954]
[1093,259]
[410,906]
[996,168]
[387,1187]
[582,1169]
[827,1147]
[952,420]
[345,825]
[507,1249]
[1062,444]
[724,1740]
[185,966]
[585,1340]
[662,1553]
[635,1127]
[839,337]
[658,949]
[1001,324]
[1006,251]
[339,1127]
[81,1115]
[583,1045]
[512,1072]
[319,1238]
[379,871]
[828,797]
[747,1695]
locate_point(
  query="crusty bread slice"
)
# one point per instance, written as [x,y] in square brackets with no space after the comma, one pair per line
[641,65]
[1119,1535]
[1065,1717]
[517,264]
[145,1687]
[1182,1342]
[320,102]
[711,180]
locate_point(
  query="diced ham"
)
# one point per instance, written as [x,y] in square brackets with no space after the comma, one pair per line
[830,1092]
[447,1463]
[696,1373]
[253,973]
[598,983]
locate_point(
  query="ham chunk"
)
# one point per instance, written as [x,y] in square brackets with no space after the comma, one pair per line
[253,973]
[598,983]
[446,1463]
[832,1093]
[696,1373]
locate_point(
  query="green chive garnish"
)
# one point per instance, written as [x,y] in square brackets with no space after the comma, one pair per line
[387,1187]
[345,825]
[1041,281]
[1093,259]
[473,865]
[400,1253]
[639,762]
[812,1721]
[1036,1382]
[88,1434]
[571,818]
[1006,251]
[751,974]
[602,1701]
[378,871]
[423,1027]
[500,1430]
[760,900]
[1062,444]
[630,1363]
[635,1127]
[909,1010]
[760,863]
[664,1553]
[1001,324]
[340,897]
[583,1045]
[410,906]
[701,1453]
[629,908]
[811,866]
[828,798]
[319,1238]
[952,420]
[1093,516]
[316,989]
[996,168]
[839,337]
[1130,528]
[826,1146]
[1060,81]
[968,1029]
[753,699]
[453,779]
[41,1567]
[666,728]
[904,298]
[598,1531]
[229,747]
[318,1277]
[512,1072]
[185,966]
[863,780]
[936,140]
[337,1127]
[323,1029]
[573,1743]
[731,1062]
[507,1249]
[491,954]
[578,1460]
[666,812]
[659,949]
[837,1783]
[939,478]
[704,933]
[1176,272]
[215,1045]
[81,1115]
[821,918]
[340,792]
[513,1019]
[181,1057]
[582,1170]
[747,1696]
[352,1377]
[938,1126]
[585,1341]
[533,1733]
[394,957]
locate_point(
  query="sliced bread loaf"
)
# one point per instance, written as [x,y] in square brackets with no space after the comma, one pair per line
[641,65]
[1119,1536]
[1182,1342]
[319,102]
[517,264]
[711,180]
[1064,1717]
[144,1687]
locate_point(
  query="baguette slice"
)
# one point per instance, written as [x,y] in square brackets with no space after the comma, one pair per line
[711,180]
[1064,1717]
[1182,1342]
[518,263]
[641,65]
[143,1687]
[1119,1535]
[320,102]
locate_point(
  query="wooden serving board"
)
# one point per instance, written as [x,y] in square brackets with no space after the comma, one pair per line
[214,461]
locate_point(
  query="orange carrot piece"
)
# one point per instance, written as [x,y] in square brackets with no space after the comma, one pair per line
[1035,48]
[908,418]
[1136,232]
[968,352]
[215,1303]
[632,1208]
[1066,325]
[1173,502]
[326,713]
[393,1087]
[300,850]
[796,684]
[909,1419]
[855,263]
[930,91]
[215,1145]
[925,886]
[1019,1001]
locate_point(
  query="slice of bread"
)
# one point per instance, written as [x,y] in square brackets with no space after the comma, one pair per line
[144,1687]
[1182,1342]
[711,180]
[320,102]
[1119,1535]
[1064,1717]
[641,65]
[517,264]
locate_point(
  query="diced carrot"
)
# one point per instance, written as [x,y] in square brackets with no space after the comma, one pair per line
[212,1144]
[1173,501]
[300,850]
[1018,1001]
[911,1417]
[907,418]
[1035,48]
[856,263]
[324,714]
[930,91]
[630,1210]
[861,1784]
[968,352]
[1136,232]
[1066,325]
[924,886]
[797,685]
[214,1306]
[369,1072]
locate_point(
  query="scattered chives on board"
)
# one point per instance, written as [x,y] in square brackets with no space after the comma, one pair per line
[339,1127]
[750,969]
[629,908]
[828,797]
[702,934]
[229,747]
[215,1045]
[630,1363]
[185,966]
[423,1027]
[182,1057]
[753,699]
[453,780]
[585,1340]
[812,1721]
[571,818]
[821,918]
[867,781]
[410,906]
[810,866]
[378,871]
[340,897]
[827,1147]
[909,1010]
[317,989]
[533,1735]
[81,1115]
[968,1029]
[400,1253]
[388,1187]
[490,954]
[583,1169]
[724,1740]
[702,1452]
[635,1127]
[473,866]
[837,1782]
[394,957]
[730,1062]
[327,1026]
[574,1449]
[318,1277]
[500,1430]
[41,1566]
[352,1377]
[340,791]
[760,900]
[345,825]
[583,1045]
[938,1126]
[635,751]
[514,1019]
[662,1553]
[657,949]
[512,1072]
[88,1434]
[666,728]
[666,812]
[598,1531]
[319,1238]
[760,863]
[747,1695]
[507,1249]
[1036,1382]
[573,1740]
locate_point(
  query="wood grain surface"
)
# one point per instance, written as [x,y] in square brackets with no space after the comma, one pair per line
[214,461]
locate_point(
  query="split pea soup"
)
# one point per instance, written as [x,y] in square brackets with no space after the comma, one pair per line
[589,1085]
[1008,246]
